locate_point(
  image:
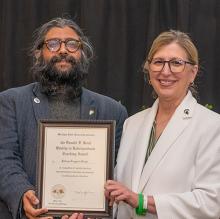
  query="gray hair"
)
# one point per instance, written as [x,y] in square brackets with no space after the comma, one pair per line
[40,33]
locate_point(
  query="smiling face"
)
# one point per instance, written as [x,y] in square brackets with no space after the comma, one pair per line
[62,34]
[171,86]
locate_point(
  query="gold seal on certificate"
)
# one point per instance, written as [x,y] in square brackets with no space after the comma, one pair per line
[58,191]
[75,158]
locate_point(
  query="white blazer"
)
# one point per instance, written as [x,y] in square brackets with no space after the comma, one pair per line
[183,170]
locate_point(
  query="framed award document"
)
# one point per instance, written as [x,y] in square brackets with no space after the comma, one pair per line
[75,158]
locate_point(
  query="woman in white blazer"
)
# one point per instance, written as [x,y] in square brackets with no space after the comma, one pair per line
[180,178]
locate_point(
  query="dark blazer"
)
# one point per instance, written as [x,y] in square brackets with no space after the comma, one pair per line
[20,110]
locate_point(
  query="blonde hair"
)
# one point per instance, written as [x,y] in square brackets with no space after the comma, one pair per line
[184,41]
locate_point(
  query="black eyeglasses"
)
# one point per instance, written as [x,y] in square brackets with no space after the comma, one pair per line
[54,45]
[175,65]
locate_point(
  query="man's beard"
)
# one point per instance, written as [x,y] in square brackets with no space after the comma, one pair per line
[55,82]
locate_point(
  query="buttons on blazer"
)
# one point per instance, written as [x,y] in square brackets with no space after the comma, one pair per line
[36,100]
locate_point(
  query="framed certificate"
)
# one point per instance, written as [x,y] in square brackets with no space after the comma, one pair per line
[75,158]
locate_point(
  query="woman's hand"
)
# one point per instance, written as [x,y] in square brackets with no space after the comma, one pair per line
[117,192]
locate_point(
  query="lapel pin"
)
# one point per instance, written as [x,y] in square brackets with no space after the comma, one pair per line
[36,100]
[91,112]
[186,111]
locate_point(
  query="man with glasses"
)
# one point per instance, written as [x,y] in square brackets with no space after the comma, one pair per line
[61,55]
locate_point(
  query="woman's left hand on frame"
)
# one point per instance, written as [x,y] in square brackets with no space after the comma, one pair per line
[116,192]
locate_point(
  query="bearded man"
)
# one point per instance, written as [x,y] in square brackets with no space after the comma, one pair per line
[61,54]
